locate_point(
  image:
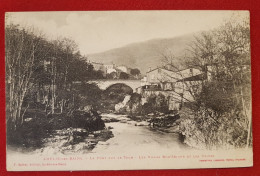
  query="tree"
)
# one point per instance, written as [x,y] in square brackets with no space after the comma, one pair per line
[226,98]
[112,75]
[99,74]
[35,65]
[68,51]
[223,102]
[123,75]
[135,72]
[21,48]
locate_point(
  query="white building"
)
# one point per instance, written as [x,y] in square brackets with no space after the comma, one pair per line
[123,68]
[110,70]
[173,83]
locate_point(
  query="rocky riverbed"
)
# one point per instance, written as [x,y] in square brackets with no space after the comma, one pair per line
[74,141]
[120,133]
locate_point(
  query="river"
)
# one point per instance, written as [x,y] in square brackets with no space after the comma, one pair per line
[129,138]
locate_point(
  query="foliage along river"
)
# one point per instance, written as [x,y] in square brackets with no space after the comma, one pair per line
[131,138]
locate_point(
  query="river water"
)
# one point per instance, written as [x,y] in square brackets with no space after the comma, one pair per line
[129,138]
[132,147]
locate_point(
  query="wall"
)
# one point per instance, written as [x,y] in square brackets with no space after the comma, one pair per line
[161,75]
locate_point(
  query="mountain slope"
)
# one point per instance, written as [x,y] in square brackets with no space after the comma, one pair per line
[145,55]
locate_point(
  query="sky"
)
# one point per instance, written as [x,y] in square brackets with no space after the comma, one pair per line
[98,31]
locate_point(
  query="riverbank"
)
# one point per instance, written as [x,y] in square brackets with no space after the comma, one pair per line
[78,131]
[84,131]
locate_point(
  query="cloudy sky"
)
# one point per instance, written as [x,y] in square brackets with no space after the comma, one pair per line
[97,31]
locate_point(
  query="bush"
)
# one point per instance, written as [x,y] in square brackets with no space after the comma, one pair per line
[87,94]
[123,75]
[32,132]
[134,105]
[90,121]
[156,103]
[208,130]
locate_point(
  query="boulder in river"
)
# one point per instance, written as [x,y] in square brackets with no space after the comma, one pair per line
[102,143]
[120,106]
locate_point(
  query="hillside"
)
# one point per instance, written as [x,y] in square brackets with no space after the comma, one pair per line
[144,54]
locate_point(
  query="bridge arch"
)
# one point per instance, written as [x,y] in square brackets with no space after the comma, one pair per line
[118,86]
[105,83]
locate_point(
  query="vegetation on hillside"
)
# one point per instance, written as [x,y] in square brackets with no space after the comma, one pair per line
[222,108]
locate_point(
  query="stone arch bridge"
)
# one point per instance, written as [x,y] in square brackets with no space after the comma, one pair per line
[105,83]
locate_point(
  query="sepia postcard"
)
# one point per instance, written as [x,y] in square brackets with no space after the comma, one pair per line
[128,90]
